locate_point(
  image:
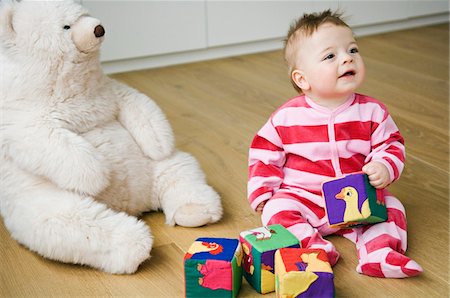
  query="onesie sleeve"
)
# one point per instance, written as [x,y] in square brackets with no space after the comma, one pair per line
[266,160]
[387,145]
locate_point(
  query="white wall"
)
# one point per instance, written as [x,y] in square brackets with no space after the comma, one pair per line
[146,34]
[148,28]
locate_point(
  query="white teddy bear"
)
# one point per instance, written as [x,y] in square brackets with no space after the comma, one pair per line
[82,154]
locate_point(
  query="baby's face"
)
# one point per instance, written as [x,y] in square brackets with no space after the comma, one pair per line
[330,63]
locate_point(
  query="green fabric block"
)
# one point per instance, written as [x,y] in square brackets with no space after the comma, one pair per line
[259,246]
[212,268]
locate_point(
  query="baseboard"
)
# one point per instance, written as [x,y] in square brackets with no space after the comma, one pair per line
[156,61]
[402,25]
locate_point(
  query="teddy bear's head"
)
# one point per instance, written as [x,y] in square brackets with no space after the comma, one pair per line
[48,30]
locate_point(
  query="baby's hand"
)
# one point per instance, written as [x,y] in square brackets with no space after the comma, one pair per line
[260,207]
[378,174]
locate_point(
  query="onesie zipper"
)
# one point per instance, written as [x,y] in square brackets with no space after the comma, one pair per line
[333,146]
[331,129]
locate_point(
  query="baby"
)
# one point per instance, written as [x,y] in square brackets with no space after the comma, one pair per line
[328,131]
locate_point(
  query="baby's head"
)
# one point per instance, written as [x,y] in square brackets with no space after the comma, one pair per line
[314,43]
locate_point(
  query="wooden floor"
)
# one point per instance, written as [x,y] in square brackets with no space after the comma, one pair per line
[216,107]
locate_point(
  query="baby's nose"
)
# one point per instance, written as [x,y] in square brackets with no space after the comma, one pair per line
[348,58]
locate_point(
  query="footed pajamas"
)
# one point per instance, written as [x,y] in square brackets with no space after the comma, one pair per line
[304,144]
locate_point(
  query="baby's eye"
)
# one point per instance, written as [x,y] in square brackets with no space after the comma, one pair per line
[329,56]
[354,50]
[66,27]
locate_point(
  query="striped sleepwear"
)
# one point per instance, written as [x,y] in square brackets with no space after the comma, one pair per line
[303,144]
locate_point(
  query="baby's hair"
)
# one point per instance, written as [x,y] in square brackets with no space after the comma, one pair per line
[307,25]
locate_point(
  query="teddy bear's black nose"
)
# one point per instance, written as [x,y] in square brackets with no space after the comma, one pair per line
[99,31]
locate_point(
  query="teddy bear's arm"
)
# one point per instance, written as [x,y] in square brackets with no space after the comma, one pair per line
[62,156]
[146,122]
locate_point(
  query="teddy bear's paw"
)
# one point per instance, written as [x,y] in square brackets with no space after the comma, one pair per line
[160,149]
[130,247]
[96,179]
[196,215]
[89,177]
[90,187]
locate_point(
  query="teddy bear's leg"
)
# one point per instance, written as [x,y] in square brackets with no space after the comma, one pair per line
[185,197]
[66,227]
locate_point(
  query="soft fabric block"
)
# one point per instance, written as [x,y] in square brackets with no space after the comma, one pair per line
[259,246]
[351,201]
[212,268]
[301,272]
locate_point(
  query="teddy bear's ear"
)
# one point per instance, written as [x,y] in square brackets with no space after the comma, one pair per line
[6,17]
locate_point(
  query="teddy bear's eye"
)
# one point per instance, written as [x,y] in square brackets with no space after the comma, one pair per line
[66,27]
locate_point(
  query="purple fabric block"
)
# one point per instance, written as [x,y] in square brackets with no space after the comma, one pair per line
[322,287]
[336,207]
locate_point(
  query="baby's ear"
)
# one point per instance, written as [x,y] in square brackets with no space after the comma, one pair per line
[299,79]
[6,17]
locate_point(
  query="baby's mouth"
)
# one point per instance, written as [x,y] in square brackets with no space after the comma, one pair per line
[348,73]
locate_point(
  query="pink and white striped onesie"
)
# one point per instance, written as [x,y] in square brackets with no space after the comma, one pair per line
[303,144]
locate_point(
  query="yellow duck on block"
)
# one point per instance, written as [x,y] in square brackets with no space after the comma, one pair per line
[350,196]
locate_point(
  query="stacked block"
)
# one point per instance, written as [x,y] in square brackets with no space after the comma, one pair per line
[212,268]
[352,201]
[259,247]
[303,272]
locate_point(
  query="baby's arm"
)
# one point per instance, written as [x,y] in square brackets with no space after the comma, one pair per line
[266,160]
[386,161]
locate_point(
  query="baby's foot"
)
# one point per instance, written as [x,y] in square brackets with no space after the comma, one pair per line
[316,241]
[393,265]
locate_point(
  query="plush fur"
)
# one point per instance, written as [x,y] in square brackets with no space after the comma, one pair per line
[82,154]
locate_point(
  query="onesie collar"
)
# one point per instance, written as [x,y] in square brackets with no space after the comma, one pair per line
[337,110]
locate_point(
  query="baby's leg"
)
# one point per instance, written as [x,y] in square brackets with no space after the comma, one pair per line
[381,246]
[299,220]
